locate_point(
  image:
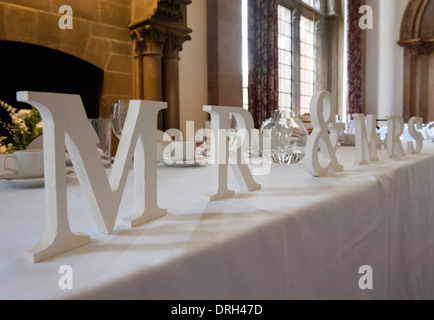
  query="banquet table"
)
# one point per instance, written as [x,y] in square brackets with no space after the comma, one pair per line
[298,237]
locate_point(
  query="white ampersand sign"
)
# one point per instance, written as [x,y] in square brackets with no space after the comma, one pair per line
[324,137]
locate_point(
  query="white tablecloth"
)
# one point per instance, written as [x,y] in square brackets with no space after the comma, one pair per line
[299,237]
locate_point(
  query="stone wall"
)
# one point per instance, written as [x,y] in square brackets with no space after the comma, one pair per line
[100,36]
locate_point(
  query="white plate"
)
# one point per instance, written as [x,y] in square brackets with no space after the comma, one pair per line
[29,183]
[25,183]
[428,131]
[182,165]
[200,160]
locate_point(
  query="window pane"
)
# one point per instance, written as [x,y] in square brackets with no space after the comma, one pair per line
[307,62]
[313,3]
[245,97]
[286,67]
[285,57]
[245,54]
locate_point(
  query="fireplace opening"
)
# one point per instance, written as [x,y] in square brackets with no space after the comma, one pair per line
[28,67]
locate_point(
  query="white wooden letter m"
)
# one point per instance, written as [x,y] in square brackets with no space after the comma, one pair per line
[66,126]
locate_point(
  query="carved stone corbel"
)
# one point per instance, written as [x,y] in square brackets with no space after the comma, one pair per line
[148,40]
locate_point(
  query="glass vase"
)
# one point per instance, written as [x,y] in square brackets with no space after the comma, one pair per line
[288,137]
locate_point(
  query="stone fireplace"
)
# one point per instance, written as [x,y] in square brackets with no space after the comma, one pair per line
[100,37]
[117,49]
[48,70]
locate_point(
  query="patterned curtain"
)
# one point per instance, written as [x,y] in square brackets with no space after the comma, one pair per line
[354,63]
[263,59]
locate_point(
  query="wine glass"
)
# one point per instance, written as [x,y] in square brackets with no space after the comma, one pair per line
[232,131]
[118,115]
[203,137]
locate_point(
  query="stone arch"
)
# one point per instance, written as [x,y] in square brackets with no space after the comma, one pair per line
[417,37]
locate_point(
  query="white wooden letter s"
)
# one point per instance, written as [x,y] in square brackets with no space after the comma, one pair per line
[414,123]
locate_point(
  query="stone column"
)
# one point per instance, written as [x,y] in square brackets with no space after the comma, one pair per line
[332,55]
[171,80]
[148,53]
[148,47]
[225,82]
[408,91]
[158,40]
[334,75]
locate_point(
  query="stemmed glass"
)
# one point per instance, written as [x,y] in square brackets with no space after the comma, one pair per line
[118,115]
[232,131]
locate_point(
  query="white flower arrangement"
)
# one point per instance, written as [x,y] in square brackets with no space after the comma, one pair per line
[25,125]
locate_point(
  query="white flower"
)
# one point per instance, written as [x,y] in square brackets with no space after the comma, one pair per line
[10,109]
[24,113]
[20,123]
[25,126]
